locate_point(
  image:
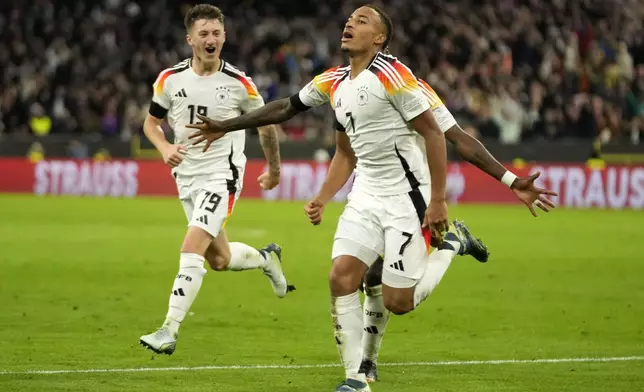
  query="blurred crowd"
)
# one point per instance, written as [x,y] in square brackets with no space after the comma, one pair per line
[509,70]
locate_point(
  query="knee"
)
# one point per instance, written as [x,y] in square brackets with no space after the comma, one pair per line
[217,261]
[344,281]
[399,305]
[196,241]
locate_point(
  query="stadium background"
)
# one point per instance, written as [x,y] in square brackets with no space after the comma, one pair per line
[555,86]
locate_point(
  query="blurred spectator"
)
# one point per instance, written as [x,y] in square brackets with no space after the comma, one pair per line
[510,70]
[39,122]
[78,150]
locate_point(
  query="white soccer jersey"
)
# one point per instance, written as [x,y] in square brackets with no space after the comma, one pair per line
[182,94]
[374,109]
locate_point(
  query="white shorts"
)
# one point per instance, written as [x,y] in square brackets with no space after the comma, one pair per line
[391,225]
[208,205]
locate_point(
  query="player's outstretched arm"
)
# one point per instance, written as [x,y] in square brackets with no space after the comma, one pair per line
[275,112]
[270,144]
[473,151]
[172,153]
[342,165]
[436,150]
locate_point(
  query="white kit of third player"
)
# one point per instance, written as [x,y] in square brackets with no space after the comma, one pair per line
[209,183]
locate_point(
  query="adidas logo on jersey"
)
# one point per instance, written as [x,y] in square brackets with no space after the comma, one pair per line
[181,94]
[398,265]
[203,219]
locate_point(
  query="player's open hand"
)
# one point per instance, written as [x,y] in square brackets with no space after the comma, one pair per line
[531,195]
[436,218]
[208,130]
[173,154]
[269,180]
[314,210]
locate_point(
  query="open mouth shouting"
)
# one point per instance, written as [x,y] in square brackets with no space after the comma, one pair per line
[211,50]
[346,36]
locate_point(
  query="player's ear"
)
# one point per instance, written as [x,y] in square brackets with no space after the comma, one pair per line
[380,39]
[189,39]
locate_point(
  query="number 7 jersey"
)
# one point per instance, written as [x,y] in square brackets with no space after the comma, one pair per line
[374,110]
[180,94]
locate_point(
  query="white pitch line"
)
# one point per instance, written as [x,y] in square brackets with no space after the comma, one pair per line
[329,365]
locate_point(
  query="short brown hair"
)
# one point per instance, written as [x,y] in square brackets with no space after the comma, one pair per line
[202,11]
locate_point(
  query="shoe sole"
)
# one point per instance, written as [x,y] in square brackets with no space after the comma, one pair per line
[479,249]
[167,351]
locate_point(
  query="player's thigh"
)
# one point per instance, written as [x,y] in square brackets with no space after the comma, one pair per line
[209,214]
[187,201]
[404,264]
[359,240]
[406,251]
[359,232]
[405,258]
[407,243]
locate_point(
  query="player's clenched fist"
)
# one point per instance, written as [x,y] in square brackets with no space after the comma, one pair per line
[314,210]
[173,154]
[436,218]
[268,180]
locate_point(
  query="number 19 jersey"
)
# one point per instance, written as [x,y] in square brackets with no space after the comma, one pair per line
[374,110]
[181,94]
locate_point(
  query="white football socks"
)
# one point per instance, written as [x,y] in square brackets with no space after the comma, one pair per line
[375,320]
[185,289]
[437,263]
[347,322]
[245,257]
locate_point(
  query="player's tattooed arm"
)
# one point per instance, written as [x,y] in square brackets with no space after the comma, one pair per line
[473,151]
[269,140]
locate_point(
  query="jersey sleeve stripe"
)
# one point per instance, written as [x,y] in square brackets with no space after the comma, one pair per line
[166,73]
[406,74]
[336,84]
[248,84]
[429,92]
[160,82]
[327,80]
[390,84]
[431,97]
[391,72]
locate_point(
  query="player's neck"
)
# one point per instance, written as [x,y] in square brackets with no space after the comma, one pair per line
[360,62]
[205,69]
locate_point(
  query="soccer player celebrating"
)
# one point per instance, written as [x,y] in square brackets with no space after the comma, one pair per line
[209,183]
[378,104]
[376,315]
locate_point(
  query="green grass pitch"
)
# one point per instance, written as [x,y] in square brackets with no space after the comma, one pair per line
[82,279]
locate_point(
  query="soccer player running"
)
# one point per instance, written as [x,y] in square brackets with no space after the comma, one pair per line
[376,315]
[209,183]
[377,102]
